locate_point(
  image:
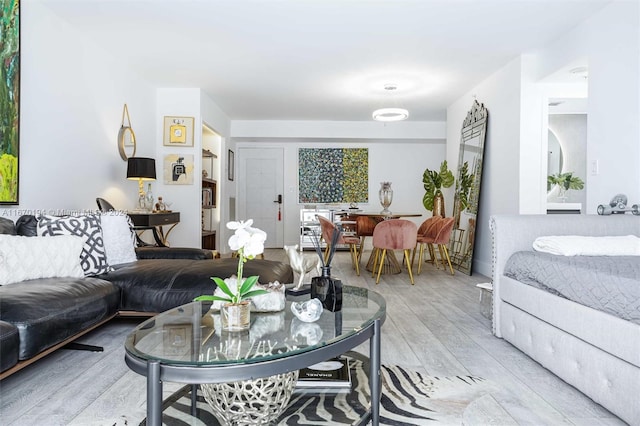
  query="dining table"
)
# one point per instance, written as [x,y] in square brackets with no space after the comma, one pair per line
[391,264]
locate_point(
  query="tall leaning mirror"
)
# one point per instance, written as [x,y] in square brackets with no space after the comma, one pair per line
[467,192]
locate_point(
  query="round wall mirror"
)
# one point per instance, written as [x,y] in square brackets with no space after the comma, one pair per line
[126,142]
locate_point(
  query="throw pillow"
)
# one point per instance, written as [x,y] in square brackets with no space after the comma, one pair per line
[119,239]
[93,258]
[7,226]
[27,225]
[29,258]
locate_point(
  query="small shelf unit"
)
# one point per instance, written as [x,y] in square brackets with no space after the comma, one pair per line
[309,225]
[209,199]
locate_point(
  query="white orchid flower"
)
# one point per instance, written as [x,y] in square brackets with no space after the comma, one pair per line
[239,239]
[248,242]
[255,245]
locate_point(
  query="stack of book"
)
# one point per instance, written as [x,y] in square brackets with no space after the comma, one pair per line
[331,374]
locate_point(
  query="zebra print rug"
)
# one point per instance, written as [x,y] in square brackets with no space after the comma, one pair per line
[408,398]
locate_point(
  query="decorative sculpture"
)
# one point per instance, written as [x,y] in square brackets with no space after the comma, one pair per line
[618,205]
[301,264]
[308,311]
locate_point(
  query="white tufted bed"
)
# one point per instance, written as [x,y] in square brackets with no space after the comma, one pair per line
[596,352]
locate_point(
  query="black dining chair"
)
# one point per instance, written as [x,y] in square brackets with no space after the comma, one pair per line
[104,205]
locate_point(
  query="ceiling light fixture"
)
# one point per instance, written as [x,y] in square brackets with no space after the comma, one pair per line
[390,114]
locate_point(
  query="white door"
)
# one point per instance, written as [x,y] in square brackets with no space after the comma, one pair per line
[260,182]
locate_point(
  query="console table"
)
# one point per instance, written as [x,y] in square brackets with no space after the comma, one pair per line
[155,222]
[185,345]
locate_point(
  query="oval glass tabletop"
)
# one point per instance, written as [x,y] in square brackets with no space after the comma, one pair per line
[191,334]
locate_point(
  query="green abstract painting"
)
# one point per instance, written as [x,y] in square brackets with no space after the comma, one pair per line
[9,100]
[333,175]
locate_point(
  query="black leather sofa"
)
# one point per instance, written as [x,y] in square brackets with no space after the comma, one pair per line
[41,315]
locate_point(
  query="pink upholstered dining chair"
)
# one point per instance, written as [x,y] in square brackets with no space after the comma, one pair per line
[364,228]
[441,240]
[427,233]
[328,228]
[394,234]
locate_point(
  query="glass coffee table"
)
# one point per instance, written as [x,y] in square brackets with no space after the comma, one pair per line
[186,345]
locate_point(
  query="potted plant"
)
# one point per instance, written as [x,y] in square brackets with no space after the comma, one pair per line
[565,182]
[433,182]
[248,242]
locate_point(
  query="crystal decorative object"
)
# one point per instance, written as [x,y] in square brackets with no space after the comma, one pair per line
[306,333]
[308,311]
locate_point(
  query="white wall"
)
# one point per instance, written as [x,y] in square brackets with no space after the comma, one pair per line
[189,102]
[513,175]
[610,40]
[399,153]
[613,128]
[500,190]
[72,97]
[369,130]
[185,198]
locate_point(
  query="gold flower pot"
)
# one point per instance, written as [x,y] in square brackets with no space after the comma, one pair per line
[438,205]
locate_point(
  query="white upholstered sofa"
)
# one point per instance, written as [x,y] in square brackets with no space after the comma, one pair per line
[596,352]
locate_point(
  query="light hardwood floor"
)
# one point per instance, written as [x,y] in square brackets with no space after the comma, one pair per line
[434,326]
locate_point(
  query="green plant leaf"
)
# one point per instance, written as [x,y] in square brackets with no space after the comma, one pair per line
[565,180]
[433,181]
[210,298]
[254,293]
[247,285]
[446,176]
[463,185]
[223,287]
[427,200]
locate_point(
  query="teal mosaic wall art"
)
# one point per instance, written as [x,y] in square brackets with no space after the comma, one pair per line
[333,175]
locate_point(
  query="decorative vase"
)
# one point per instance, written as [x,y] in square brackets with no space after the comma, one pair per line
[148,203]
[328,290]
[386,196]
[438,205]
[259,401]
[235,316]
[562,193]
[250,402]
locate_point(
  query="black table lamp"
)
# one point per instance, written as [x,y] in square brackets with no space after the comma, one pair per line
[141,168]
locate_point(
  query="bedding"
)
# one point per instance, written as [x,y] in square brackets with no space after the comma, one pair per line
[610,284]
[579,245]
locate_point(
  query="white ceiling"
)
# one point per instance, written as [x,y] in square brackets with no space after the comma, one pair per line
[322,59]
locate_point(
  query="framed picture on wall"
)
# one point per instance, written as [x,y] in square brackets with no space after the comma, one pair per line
[231,165]
[178,131]
[10,101]
[178,169]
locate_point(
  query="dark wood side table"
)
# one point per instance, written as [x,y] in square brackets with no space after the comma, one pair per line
[155,222]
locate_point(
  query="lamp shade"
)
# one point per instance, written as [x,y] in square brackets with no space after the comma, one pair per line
[141,168]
